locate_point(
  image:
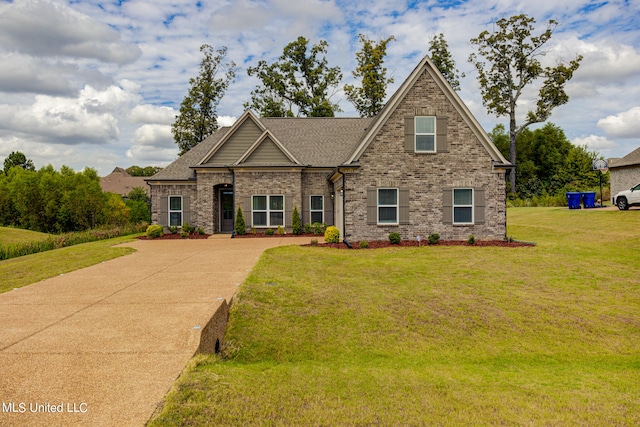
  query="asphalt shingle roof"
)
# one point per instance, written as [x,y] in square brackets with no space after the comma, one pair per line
[630,159]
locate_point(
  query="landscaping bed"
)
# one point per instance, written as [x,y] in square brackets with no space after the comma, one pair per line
[177,236]
[405,243]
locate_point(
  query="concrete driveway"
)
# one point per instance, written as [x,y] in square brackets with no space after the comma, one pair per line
[102,346]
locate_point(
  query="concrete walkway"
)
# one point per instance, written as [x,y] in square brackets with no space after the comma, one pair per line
[104,344]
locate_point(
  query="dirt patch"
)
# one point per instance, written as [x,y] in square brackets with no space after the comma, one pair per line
[409,243]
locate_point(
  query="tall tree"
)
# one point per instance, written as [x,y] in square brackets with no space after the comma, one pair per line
[441,57]
[301,79]
[198,116]
[17,158]
[369,98]
[512,52]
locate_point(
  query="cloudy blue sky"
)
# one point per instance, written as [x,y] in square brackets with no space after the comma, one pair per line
[98,83]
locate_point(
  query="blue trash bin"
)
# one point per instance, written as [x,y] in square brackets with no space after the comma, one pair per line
[589,199]
[573,199]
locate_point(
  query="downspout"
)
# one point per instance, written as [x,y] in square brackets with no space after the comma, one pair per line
[233,201]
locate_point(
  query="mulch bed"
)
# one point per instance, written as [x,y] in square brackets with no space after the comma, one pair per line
[406,243]
[176,236]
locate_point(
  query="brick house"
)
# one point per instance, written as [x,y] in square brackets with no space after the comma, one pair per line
[625,172]
[422,165]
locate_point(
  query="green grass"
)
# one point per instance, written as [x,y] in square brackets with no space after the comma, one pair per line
[10,235]
[544,335]
[25,270]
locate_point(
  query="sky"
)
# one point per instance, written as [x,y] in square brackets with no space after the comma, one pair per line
[89,83]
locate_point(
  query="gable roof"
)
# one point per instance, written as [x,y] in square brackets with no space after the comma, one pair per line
[630,159]
[121,182]
[426,65]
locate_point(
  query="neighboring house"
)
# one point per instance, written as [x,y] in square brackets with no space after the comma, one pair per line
[120,182]
[624,172]
[423,165]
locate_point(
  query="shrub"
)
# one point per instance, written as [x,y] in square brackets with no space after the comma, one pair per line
[173,229]
[314,242]
[253,230]
[296,221]
[239,226]
[434,238]
[318,228]
[394,238]
[307,228]
[363,244]
[280,230]
[268,232]
[200,231]
[187,228]
[332,235]
[155,231]
[184,234]
[471,240]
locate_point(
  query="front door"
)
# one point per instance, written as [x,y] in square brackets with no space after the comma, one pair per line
[226,211]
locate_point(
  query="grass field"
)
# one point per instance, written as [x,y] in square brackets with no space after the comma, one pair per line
[9,235]
[544,335]
[24,270]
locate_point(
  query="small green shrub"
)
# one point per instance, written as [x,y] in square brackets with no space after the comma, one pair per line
[253,230]
[200,231]
[155,231]
[268,232]
[363,244]
[239,226]
[434,238]
[394,238]
[318,228]
[187,228]
[173,229]
[471,240]
[314,242]
[332,235]
[184,234]
[296,222]
[280,230]
[307,228]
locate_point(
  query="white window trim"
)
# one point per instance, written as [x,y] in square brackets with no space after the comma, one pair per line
[170,211]
[415,135]
[454,206]
[396,205]
[311,210]
[268,210]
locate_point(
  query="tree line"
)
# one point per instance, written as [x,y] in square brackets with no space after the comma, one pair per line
[300,83]
[55,201]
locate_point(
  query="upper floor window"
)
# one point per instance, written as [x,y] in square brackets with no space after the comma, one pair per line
[425,132]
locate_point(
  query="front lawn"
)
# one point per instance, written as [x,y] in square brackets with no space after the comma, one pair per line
[544,335]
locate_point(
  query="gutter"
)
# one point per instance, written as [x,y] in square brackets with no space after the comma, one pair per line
[344,212]
[233,200]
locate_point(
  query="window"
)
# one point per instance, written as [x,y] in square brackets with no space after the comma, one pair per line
[267,211]
[317,209]
[463,206]
[387,206]
[425,132]
[175,211]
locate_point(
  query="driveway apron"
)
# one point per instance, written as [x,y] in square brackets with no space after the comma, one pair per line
[102,346]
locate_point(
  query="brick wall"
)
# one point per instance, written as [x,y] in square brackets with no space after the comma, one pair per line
[624,178]
[158,192]
[386,164]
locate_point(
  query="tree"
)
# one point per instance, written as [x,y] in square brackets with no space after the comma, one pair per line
[139,205]
[369,98]
[143,171]
[198,116]
[296,221]
[16,158]
[513,53]
[239,226]
[442,58]
[301,78]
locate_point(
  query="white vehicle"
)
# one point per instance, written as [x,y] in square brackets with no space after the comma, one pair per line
[627,198]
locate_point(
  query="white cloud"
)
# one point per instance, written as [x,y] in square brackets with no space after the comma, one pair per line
[595,142]
[153,135]
[147,113]
[44,28]
[622,125]
[605,61]
[91,118]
